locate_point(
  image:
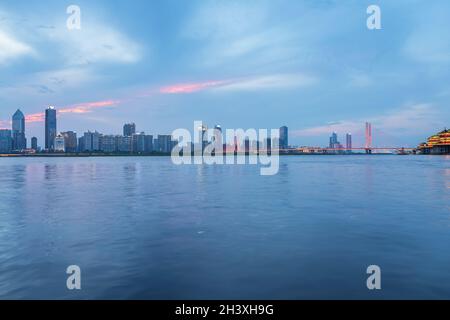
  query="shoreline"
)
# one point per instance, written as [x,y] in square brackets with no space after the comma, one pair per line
[90,155]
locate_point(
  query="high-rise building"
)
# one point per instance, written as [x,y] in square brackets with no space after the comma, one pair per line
[129,129]
[125,144]
[18,131]
[139,142]
[247,146]
[165,143]
[148,143]
[91,141]
[204,137]
[268,144]
[348,141]
[334,143]
[50,128]
[217,140]
[59,143]
[108,143]
[81,144]
[284,142]
[70,141]
[6,141]
[34,143]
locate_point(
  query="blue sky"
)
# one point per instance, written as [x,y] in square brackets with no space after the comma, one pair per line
[311,65]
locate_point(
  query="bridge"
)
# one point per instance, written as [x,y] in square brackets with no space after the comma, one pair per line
[367,148]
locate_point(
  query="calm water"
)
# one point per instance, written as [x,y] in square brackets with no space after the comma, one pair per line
[144,228]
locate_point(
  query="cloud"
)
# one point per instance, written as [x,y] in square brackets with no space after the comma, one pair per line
[429,41]
[49,82]
[76,108]
[221,20]
[190,87]
[98,41]
[94,43]
[338,126]
[277,81]
[240,34]
[65,78]
[11,49]
[419,118]
[89,106]
[5,124]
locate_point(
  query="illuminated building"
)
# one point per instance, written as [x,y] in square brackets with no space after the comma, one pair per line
[436,144]
[59,143]
[18,131]
[50,128]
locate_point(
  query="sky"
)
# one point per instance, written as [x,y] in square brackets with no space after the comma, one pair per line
[311,65]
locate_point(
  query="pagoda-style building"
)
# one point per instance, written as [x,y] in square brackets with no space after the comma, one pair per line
[437,144]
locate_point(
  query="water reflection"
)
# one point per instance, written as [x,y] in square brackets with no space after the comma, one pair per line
[145,228]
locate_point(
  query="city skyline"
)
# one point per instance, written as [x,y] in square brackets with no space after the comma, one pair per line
[234,63]
[133,141]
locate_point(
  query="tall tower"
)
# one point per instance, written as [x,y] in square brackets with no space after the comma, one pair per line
[284,142]
[348,141]
[50,128]
[334,143]
[217,139]
[18,131]
[129,129]
[368,145]
[34,143]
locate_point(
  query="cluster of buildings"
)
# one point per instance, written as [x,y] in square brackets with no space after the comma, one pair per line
[131,141]
[436,144]
[241,144]
[335,144]
[14,141]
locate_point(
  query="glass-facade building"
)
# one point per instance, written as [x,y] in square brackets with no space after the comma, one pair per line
[18,131]
[50,128]
[129,129]
[284,142]
[6,141]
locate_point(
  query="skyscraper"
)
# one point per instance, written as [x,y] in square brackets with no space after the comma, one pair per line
[164,143]
[70,141]
[284,142]
[18,131]
[50,128]
[139,142]
[348,140]
[125,144]
[217,140]
[60,143]
[91,141]
[334,143]
[148,143]
[108,143]
[247,145]
[5,141]
[129,129]
[34,143]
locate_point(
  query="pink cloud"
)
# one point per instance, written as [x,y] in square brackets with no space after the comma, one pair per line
[341,126]
[190,87]
[4,124]
[76,108]
[35,117]
[88,106]
[274,81]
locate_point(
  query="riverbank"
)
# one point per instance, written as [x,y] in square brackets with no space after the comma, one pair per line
[159,154]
